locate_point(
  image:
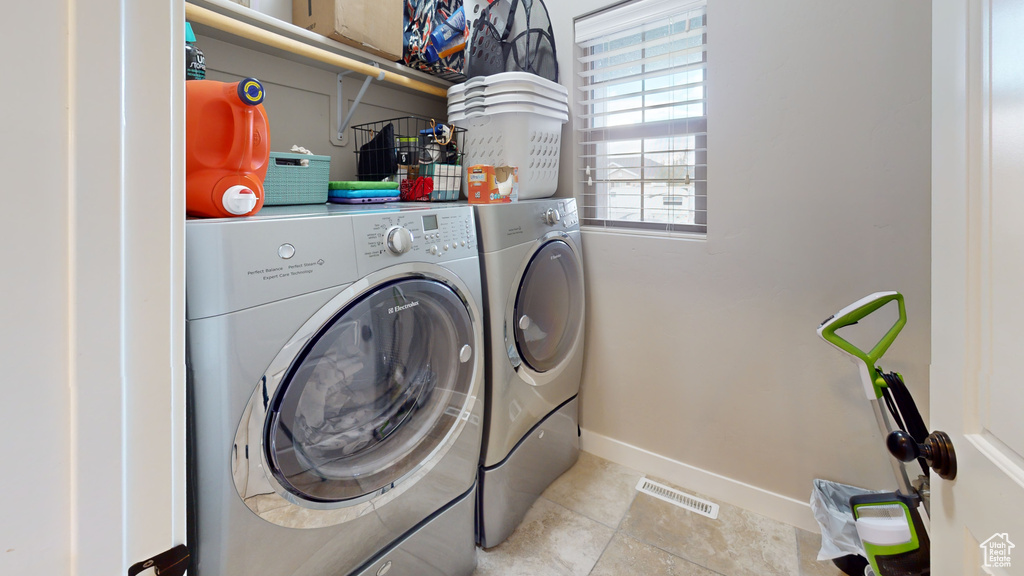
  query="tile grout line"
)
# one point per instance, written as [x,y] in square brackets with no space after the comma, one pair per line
[601,555]
[615,530]
[618,524]
[799,568]
[653,545]
[796,537]
[622,531]
[581,515]
[656,546]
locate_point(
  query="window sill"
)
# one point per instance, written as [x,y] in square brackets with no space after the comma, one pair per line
[683,236]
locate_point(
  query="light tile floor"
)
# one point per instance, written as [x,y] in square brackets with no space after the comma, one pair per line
[592,521]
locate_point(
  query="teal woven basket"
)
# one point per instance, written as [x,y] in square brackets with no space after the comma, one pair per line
[289,182]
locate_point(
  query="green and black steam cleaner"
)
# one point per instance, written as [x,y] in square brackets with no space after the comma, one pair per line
[893,526]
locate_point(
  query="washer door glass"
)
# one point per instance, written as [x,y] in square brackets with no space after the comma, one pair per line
[373,394]
[548,308]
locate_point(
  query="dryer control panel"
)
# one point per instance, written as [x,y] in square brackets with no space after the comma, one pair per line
[428,235]
[569,220]
[502,226]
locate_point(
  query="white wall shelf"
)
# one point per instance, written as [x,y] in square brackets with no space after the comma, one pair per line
[231,22]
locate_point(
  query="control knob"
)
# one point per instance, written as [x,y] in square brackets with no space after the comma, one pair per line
[399,240]
[551,217]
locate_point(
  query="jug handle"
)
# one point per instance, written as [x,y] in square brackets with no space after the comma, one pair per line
[247,145]
[250,92]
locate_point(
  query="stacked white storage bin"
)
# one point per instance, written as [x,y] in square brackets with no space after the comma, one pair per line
[513,119]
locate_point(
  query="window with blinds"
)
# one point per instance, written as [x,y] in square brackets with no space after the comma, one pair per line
[642,116]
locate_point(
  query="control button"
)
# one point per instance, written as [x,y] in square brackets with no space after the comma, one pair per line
[551,217]
[286,251]
[446,247]
[463,242]
[399,240]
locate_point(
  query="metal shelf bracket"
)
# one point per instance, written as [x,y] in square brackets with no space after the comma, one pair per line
[343,124]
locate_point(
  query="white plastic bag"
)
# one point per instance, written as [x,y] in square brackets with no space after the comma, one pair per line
[830,502]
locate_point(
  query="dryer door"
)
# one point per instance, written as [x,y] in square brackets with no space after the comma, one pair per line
[549,307]
[373,395]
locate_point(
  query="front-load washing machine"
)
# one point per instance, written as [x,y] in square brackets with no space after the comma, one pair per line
[335,392]
[532,265]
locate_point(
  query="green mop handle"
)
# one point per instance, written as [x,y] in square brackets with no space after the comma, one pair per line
[870,374]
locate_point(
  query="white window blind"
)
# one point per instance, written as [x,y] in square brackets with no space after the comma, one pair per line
[642,116]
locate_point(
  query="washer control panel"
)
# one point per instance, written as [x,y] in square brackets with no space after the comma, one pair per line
[428,235]
[567,217]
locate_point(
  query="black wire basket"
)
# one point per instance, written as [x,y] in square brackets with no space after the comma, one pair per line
[423,156]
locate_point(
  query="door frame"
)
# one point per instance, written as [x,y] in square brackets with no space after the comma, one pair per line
[126,216]
[968,510]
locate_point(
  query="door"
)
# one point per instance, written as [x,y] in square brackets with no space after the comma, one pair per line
[378,391]
[977,283]
[548,312]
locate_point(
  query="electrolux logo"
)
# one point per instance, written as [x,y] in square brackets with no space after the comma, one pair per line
[997,551]
[394,309]
[556,256]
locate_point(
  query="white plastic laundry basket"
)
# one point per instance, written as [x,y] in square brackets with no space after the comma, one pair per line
[513,119]
[491,101]
[528,137]
[506,89]
[462,104]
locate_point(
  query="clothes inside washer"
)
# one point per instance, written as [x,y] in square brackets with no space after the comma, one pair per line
[364,402]
[348,406]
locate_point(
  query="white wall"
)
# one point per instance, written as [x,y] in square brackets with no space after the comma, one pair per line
[280,9]
[33,310]
[704,352]
[92,316]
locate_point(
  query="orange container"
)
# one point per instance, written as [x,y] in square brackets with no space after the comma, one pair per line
[492,184]
[227,148]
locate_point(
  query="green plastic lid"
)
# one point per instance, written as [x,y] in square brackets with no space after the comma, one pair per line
[189,35]
[362,185]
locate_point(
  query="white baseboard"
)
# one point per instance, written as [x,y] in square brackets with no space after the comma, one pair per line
[715,486]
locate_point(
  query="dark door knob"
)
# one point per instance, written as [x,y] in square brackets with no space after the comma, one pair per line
[937,451]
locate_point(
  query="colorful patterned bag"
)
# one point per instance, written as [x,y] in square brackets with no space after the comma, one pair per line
[421,16]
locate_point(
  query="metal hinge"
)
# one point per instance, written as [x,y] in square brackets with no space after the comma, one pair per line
[173,562]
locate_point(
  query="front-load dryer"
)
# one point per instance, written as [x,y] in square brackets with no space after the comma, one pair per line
[531,257]
[335,392]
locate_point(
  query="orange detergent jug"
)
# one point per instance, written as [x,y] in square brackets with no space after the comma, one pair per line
[227,148]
